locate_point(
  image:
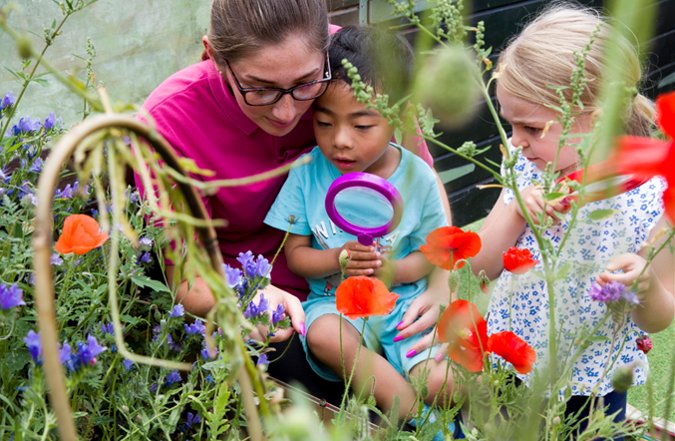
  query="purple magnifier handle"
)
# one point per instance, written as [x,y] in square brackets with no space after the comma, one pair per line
[357,180]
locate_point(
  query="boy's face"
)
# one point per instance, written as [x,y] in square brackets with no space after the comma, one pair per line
[529,123]
[351,136]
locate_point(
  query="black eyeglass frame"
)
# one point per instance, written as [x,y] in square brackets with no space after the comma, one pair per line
[244,90]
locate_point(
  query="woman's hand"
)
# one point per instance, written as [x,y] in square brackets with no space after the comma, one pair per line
[422,315]
[293,307]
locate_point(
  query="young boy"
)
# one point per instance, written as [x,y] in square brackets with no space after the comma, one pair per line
[353,138]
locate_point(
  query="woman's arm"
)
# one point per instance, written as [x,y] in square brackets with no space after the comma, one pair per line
[198,299]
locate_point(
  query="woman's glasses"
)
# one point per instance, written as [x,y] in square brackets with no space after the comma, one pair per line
[265,96]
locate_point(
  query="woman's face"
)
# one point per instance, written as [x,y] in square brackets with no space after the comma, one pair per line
[537,130]
[283,65]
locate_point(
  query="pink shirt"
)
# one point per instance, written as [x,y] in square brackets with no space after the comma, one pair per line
[198,115]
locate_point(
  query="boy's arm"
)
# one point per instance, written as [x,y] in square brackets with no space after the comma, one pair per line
[409,269]
[306,261]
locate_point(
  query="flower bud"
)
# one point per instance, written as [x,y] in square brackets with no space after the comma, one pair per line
[622,379]
[448,83]
[343,258]
[24,46]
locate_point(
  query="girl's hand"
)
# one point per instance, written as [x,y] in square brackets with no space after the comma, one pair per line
[293,307]
[535,204]
[631,270]
[363,260]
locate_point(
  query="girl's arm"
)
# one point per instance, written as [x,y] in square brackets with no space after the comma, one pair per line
[655,285]
[306,261]
[500,230]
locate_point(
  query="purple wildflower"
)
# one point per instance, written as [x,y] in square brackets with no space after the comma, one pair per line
[10,296]
[278,314]
[197,327]
[66,357]
[173,344]
[206,354]
[612,292]
[128,364]
[192,419]
[25,125]
[145,257]
[262,360]
[8,100]
[68,191]
[50,121]
[145,242]
[56,259]
[177,311]
[107,328]
[36,166]
[262,267]
[173,378]
[234,276]
[32,341]
[251,311]
[153,388]
[86,353]
[209,379]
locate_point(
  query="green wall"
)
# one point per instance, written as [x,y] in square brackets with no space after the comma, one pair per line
[138,43]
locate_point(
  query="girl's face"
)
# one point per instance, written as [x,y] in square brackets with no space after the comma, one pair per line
[353,137]
[283,65]
[529,123]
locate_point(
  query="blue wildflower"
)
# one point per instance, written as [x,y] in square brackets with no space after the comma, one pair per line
[10,296]
[209,379]
[177,311]
[254,267]
[246,261]
[262,267]
[153,388]
[278,314]
[197,327]
[32,341]
[262,360]
[173,378]
[173,345]
[128,364]
[8,100]
[36,166]
[145,257]
[264,305]
[251,311]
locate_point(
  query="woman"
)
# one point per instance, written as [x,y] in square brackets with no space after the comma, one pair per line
[244,110]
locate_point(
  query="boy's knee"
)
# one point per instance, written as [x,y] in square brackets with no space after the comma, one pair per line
[438,379]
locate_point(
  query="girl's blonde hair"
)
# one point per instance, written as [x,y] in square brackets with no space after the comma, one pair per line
[541,59]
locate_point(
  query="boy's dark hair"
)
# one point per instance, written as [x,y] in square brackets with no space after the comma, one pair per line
[383,58]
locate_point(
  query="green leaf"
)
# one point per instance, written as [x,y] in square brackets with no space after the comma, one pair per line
[601,214]
[553,196]
[143,282]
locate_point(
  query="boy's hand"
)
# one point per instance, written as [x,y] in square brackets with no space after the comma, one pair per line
[363,260]
[631,267]
[533,199]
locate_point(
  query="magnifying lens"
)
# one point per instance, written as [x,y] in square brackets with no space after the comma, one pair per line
[602,181]
[364,205]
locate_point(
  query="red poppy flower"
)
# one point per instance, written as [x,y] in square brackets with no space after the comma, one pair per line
[465,331]
[518,260]
[646,157]
[81,234]
[644,343]
[447,245]
[362,296]
[513,349]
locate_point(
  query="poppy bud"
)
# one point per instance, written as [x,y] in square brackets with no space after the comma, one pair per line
[449,83]
[24,46]
[622,379]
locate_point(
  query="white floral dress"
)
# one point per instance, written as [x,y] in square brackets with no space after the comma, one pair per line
[520,303]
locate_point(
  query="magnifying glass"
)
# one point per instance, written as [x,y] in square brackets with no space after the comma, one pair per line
[602,181]
[364,205]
